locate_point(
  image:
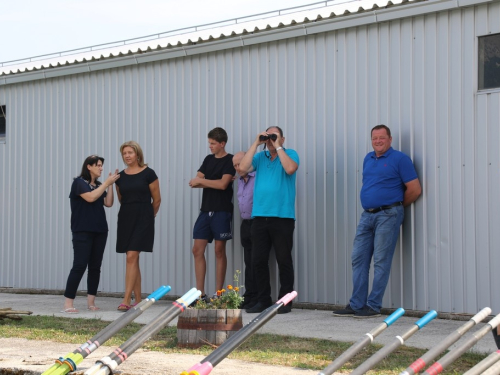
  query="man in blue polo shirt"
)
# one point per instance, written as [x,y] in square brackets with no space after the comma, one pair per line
[273,214]
[390,183]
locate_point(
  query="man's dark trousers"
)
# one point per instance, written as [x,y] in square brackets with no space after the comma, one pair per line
[250,294]
[268,232]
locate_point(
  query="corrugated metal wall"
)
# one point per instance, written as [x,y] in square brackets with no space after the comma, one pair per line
[417,75]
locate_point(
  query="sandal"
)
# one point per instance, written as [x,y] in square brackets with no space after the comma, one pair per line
[70,310]
[123,307]
[93,308]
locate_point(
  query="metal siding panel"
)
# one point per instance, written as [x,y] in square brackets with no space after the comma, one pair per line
[493,17]
[470,254]
[416,75]
[425,260]
[343,284]
[493,200]
[467,103]
[447,97]
[455,194]
[481,204]
[402,141]
[329,143]
[414,245]
[311,168]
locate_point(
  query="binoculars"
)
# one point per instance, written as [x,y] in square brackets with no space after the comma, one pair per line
[273,137]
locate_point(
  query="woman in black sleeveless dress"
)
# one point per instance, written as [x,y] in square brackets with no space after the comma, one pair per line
[138,191]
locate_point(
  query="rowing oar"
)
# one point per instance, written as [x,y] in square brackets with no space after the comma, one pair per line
[108,364]
[65,365]
[389,348]
[453,337]
[445,361]
[214,358]
[361,343]
[485,364]
[493,370]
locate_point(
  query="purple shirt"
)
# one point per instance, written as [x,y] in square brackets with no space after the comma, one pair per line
[245,196]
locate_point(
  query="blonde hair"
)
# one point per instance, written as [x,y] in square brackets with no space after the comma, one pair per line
[138,151]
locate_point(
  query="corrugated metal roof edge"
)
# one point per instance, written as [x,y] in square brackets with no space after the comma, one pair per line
[281,32]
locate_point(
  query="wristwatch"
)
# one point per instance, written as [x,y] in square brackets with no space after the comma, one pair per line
[279,148]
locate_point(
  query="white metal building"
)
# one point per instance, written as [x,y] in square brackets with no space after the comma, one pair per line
[427,69]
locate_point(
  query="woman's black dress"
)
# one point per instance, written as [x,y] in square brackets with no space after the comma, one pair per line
[136,222]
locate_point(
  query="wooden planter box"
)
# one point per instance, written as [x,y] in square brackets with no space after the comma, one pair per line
[200,327]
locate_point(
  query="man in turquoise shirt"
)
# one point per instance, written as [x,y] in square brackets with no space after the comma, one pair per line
[273,213]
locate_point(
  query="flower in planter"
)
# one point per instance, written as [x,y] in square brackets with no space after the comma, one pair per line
[226,299]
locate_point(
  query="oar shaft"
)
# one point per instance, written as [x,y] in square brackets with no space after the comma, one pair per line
[244,334]
[388,349]
[445,361]
[104,335]
[346,356]
[109,363]
[138,339]
[69,363]
[361,343]
[485,364]
[493,370]
[378,356]
[152,328]
[214,358]
[430,355]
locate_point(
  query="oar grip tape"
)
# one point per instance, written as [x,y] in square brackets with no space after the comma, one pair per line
[69,362]
[287,298]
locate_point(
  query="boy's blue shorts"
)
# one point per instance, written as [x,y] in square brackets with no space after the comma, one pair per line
[213,225]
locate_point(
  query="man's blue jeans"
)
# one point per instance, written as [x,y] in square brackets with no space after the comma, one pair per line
[376,237]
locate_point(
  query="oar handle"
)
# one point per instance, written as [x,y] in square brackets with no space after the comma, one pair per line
[426,319]
[160,292]
[394,316]
[481,315]
[204,368]
[287,298]
[495,321]
[190,296]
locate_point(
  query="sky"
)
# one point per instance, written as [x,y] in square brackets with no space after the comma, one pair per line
[30,28]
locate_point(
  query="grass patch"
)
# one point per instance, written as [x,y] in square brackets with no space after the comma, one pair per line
[269,349]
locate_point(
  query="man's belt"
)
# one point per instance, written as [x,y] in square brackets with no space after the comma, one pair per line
[378,209]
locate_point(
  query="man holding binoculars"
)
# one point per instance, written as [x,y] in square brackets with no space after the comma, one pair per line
[273,213]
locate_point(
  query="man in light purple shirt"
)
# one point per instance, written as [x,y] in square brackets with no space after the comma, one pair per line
[246,183]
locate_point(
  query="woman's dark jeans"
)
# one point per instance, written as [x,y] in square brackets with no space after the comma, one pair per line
[88,249]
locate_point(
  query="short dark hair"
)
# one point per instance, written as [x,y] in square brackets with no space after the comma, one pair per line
[276,127]
[382,126]
[90,160]
[218,134]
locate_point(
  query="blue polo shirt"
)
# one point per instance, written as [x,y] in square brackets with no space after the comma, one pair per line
[274,191]
[384,178]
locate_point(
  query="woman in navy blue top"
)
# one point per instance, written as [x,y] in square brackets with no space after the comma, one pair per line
[90,229]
